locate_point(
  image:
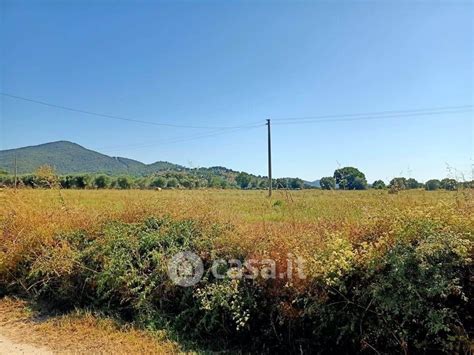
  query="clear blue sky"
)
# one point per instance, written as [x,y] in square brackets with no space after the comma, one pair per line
[237,62]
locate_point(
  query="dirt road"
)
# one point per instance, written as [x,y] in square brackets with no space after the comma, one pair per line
[10,347]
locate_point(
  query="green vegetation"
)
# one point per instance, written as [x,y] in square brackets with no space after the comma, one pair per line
[394,277]
[328,183]
[449,184]
[350,178]
[378,184]
[432,185]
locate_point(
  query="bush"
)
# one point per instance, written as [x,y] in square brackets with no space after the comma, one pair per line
[432,185]
[449,184]
[378,185]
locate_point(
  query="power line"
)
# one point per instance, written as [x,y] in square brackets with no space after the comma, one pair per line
[379,113]
[114,116]
[182,139]
[319,120]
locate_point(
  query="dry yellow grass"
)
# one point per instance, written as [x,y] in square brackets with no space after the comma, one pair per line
[78,333]
[290,221]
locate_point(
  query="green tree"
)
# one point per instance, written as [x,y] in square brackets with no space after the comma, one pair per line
[328,183]
[296,184]
[101,181]
[398,183]
[159,182]
[282,183]
[28,180]
[66,181]
[350,178]
[186,183]
[468,184]
[263,184]
[224,183]
[215,182]
[172,183]
[412,184]
[124,182]
[243,180]
[449,184]
[378,185]
[432,185]
[81,181]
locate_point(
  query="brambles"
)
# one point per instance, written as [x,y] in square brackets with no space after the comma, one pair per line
[385,272]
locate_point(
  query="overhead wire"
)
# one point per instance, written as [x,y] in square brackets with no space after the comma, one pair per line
[362,118]
[181,139]
[162,124]
[377,113]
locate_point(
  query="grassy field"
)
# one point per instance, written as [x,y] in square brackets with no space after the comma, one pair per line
[384,272]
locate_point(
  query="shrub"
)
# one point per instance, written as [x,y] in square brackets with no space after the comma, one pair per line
[432,185]
[449,184]
[378,185]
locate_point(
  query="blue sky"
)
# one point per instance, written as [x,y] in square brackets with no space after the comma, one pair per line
[216,63]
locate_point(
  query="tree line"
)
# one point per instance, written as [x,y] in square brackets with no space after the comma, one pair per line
[347,178]
[45,177]
[350,178]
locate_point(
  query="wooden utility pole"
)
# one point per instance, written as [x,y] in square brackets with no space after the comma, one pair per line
[269,160]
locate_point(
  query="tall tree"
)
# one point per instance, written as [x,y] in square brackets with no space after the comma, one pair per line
[350,178]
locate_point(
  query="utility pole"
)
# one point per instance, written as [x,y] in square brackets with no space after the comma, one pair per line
[16,173]
[269,160]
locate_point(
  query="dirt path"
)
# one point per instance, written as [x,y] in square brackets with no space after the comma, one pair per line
[9,347]
[23,331]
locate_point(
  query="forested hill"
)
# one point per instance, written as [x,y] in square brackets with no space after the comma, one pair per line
[68,158]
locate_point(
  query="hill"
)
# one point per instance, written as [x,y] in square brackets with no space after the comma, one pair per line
[67,157]
[70,158]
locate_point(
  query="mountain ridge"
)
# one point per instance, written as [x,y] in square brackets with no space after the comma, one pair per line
[68,157]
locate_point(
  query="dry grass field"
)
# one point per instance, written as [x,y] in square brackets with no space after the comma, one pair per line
[97,250]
